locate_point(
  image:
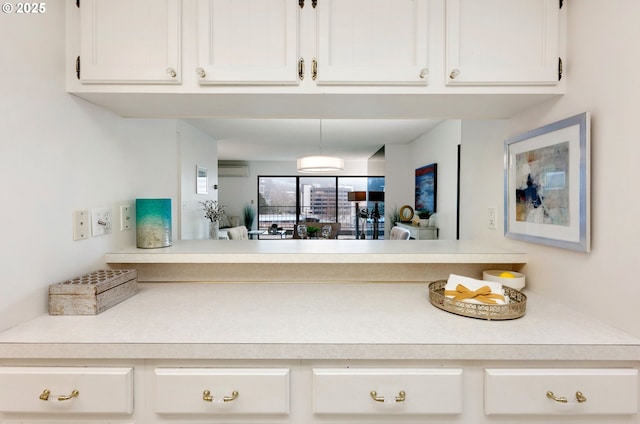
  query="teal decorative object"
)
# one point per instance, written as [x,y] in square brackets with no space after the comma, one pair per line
[153,223]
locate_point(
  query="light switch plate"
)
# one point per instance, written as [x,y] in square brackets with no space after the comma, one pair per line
[100,221]
[125,217]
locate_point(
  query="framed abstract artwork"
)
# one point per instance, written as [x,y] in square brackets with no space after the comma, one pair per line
[547,184]
[426,188]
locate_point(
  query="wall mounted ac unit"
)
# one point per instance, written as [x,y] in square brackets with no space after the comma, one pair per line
[233,170]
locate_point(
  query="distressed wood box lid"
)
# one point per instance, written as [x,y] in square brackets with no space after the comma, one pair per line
[95,282]
[92,293]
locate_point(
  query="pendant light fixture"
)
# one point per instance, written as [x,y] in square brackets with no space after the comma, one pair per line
[319,163]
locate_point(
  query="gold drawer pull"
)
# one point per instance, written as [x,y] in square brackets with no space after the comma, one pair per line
[550,395]
[208,397]
[46,393]
[580,397]
[74,394]
[234,396]
[402,396]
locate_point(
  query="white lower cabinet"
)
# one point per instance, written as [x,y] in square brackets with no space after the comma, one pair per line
[66,390]
[317,392]
[396,391]
[573,391]
[262,391]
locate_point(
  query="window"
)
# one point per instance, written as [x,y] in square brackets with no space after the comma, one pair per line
[285,201]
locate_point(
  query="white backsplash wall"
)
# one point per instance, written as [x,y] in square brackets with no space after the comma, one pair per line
[58,154]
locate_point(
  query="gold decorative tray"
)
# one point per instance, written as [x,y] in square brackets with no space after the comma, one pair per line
[512,310]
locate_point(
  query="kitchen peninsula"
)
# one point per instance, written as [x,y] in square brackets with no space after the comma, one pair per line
[323,260]
[297,337]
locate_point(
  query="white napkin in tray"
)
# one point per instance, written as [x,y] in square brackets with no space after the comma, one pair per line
[473,285]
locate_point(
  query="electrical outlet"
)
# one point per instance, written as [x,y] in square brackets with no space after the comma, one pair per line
[81,227]
[492,218]
[125,217]
[100,221]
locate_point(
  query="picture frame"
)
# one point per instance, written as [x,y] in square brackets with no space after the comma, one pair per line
[547,184]
[426,188]
[202,180]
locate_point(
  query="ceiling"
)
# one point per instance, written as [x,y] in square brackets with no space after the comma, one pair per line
[288,139]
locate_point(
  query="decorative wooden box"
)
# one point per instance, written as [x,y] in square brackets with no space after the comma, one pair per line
[92,293]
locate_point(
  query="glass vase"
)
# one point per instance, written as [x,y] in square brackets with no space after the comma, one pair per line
[214,229]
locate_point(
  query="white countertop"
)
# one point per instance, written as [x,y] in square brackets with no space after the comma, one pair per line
[311,321]
[319,251]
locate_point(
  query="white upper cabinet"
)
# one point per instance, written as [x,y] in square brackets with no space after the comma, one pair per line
[247,42]
[372,41]
[502,42]
[130,41]
[273,42]
[455,55]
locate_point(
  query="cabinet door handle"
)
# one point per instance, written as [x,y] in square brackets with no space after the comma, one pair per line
[201,73]
[580,397]
[402,396]
[46,393]
[559,399]
[208,397]
[454,74]
[314,69]
[74,394]
[424,72]
[234,396]
[172,72]
[301,69]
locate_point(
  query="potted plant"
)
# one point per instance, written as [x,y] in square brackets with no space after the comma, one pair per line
[393,217]
[424,216]
[312,231]
[213,211]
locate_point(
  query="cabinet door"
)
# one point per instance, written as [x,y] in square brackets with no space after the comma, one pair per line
[372,42]
[247,42]
[575,391]
[130,41]
[387,391]
[222,391]
[500,42]
[68,390]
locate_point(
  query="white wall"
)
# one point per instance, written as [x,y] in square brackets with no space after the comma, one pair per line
[600,79]
[481,179]
[58,154]
[399,179]
[440,145]
[195,149]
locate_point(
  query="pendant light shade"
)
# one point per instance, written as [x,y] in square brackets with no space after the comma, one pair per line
[313,164]
[317,164]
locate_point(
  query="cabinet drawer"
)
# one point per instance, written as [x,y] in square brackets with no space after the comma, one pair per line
[396,391]
[222,390]
[576,391]
[66,390]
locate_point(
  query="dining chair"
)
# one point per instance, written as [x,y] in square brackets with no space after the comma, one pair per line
[398,233]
